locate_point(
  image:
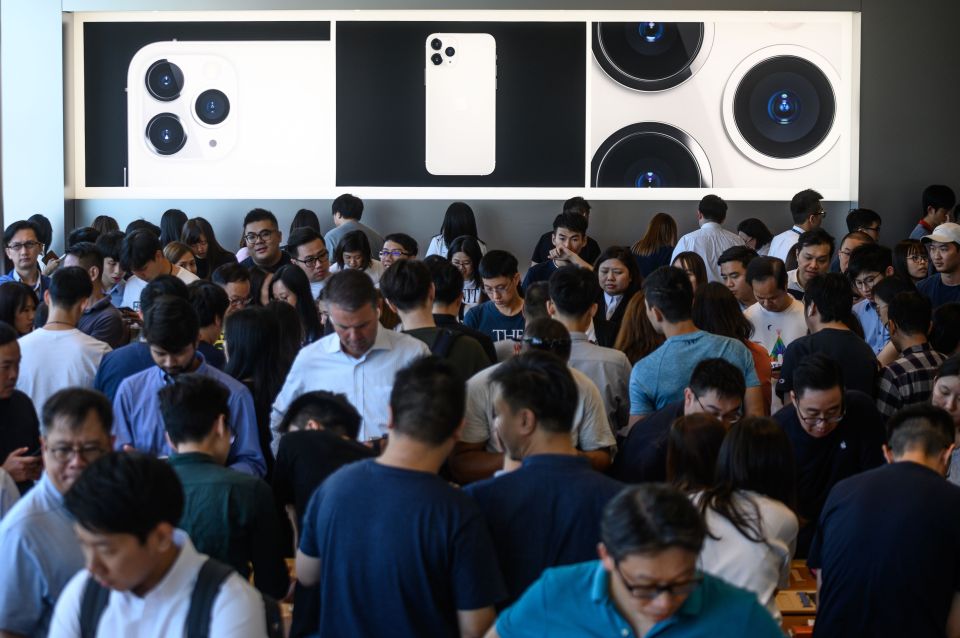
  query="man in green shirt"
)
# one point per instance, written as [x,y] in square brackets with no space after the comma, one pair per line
[229,515]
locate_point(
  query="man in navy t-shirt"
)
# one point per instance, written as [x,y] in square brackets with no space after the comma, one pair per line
[943,246]
[395,549]
[569,238]
[501,317]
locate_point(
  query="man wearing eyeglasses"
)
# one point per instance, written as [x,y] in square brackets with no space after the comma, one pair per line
[263,237]
[308,250]
[645,583]
[23,247]
[814,250]
[943,245]
[807,212]
[41,552]
[869,265]
[835,433]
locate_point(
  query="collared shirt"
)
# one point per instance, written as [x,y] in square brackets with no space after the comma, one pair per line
[793,285]
[40,553]
[366,381]
[781,244]
[57,359]
[908,380]
[610,370]
[42,285]
[874,331]
[137,421]
[574,601]
[116,293]
[9,493]
[104,322]
[612,302]
[237,610]
[709,241]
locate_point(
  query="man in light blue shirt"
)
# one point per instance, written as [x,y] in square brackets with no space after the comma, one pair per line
[711,239]
[37,542]
[869,265]
[171,329]
[646,582]
[660,377]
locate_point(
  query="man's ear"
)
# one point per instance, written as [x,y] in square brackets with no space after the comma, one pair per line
[887,453]
[551,308]
[593,310]
[95,274]
[46,297]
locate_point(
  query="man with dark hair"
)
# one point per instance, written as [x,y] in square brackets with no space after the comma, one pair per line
[814,251]
[84,234]
[127,507]
[346,211]
[171,330]
[398,246]
[908,380]
[573,302]
[37,540]
[545,250]
[807,212]
[943,245]
[836,432]
[359,360]
[211,303]
[111,273]
[716,388]
[100,319]
[408,289]
[243,530]
[569,237]
[425,541]
[134,357]
[142,255]
[827,307]
[865,221]
[646,582]
[733,263]
[660,377]
[448,300]
[777,317]
[235,281]
[711,239]
[19,428]
[263,239]
[869,265]
[887,540]
[309,251]
[502,316]
[849,243]
[936,202]
[59,355]
[479,453]
[547,512]
[23,247]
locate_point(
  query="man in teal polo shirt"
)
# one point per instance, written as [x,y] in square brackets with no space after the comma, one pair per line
[646,583]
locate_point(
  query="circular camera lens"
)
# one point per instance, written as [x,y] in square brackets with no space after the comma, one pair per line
[651,31]
[164,80]
[648,56]
[450,51]
[784,107]
[650,155]
[166,134]
[436,44]
[212,106]
[649,179]
[436,58]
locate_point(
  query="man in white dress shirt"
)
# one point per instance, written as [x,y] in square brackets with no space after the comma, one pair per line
[808,213]
[711,239]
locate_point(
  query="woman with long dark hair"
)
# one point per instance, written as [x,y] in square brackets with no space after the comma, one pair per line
[457,222]
[354,252]
[18,306]
[655,247]
[693,444]
[693,267]
[755,234]
[198,234]
[619,279]
[752,530]
[465,254]
[171,225]
[290,285]
[637,337]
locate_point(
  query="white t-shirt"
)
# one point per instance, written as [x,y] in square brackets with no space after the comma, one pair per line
[471,295]
[777,330]
[374,271]
[56,359]
[438,247]
[135,285]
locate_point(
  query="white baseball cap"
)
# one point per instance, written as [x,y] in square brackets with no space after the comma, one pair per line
[944,233]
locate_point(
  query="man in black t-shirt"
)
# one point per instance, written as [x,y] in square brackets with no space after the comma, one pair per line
[19,428]
[545,247]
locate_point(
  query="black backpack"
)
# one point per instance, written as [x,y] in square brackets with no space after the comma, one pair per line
[444,342]
[209,580]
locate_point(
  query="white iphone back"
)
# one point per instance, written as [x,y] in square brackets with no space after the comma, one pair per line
[461,104]
[277,137]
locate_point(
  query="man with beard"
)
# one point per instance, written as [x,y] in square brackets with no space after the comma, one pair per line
[171,329]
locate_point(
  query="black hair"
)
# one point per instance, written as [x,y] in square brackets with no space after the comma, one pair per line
[945,334]
[258,276]
[230,274]
[290,330]
[573,222]
[72,406]
[922,426]
[817,371]
[138,248]
[668,289]
[755,228]
[296,281]
[162,286]
[889,287]
[126,493]
[87,254]
[737,253]
[869,258]
[577,205]
[44,228]
[470,246]
[693,444]
[815,237]
[171,225]
[624,256]
[542,383]
[17,226]
[763,268]
[109,244]
[69,286]
[105,224]
[950,367]
[649,519]
[408,243]
[902,252]
[804,204]
[171,323]
[832,295]
[574,290]
[260,215]
[535,299]
[190,406]
[713,208]
[13,298]
[911,312]
[7,333]
[305,218]
[694,262]
[209,300]
[84,234]
[351,290]
[355,241]
[717,311]
[938,196]
[428,401]
[720,376]
[199,227]
[497,263]
[406,284]
[459,220]
[331,410]
[860,218]
[447,279]
[548,335]
[348,206]
[142,224]
[301,236]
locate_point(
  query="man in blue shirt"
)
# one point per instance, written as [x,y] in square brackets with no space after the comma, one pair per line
[660,377]
[869,265]
[547,512]
[37,541]
[395,549]
[170,329]
[23,247]
[943,246]
[646,582]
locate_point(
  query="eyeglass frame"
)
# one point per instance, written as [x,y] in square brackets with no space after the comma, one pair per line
[393,253]
[74,451]
[820,419]
[253,238]
[312,260]
[650,593]
[738,413]
[29,245]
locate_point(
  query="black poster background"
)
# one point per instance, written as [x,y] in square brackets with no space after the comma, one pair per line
[541,103]
[108,48]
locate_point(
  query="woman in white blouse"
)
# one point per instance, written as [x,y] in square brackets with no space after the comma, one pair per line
[353,252]
[457,221]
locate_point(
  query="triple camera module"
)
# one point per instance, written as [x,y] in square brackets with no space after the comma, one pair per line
[166,134]
[437,58]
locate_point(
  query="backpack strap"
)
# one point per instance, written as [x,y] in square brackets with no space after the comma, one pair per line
[211,577]
[92,603]
[443,343]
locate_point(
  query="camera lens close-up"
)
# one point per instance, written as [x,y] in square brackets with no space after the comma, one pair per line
[784,107]
[650,155]
[436,58]
[436,44]
[166,134]
[164,80]
[648,56]
[212,107]
[449,51]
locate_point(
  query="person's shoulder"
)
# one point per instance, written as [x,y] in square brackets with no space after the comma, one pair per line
[404,342]
[91,344]
[720,599]
[929,284]
[134,384]
[307,442]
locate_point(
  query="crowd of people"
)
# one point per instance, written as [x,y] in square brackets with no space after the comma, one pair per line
[623,440]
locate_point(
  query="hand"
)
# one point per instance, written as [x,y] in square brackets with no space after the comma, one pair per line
[21,467]
[50,267]
[559,253]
